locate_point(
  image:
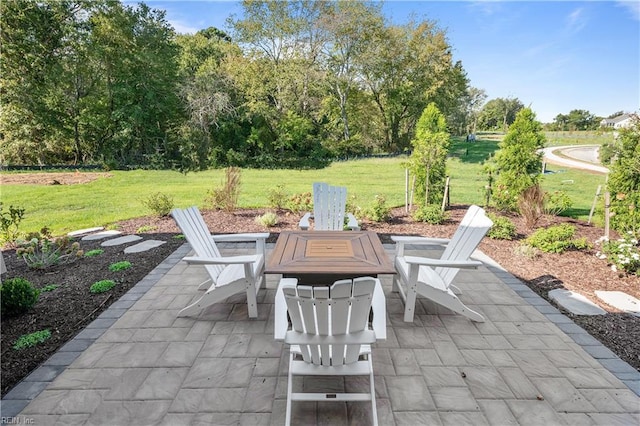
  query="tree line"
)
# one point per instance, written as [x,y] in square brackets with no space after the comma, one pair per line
[294,84]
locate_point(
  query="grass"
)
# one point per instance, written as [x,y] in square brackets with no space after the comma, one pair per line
[64,208]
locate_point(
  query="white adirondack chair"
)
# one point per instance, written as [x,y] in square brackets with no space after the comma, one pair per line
[330,336]
[228,275]
[432,278]
[329,205]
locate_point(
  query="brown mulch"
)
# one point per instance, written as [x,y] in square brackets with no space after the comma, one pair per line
[70,307]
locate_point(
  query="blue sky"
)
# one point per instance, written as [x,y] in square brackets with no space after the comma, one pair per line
[554,56]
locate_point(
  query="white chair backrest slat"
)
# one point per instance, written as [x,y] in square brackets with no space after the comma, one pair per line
[472,229]
[194,228]
[340,309]
[329,204]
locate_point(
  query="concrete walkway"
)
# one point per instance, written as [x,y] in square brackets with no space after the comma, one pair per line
[138,364]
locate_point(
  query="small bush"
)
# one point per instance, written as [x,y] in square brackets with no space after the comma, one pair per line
[10,223]
[160,204]
[300,203]
[353,207]
[267,220]
[17,295]
[378,211]
[623,254]
[555,203]
[226,197]
[41,250]
[94,252]
[502,229]
[146,228]
[120,266]
[527,251]
[430,213]
[531,205]
[32,339]
[277,197]
[556,239]
[49,287]
[102,286]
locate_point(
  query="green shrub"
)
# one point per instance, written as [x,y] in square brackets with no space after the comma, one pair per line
[146,228]
[527,251]
[556,239]
[94,252]
[102,286]
[226,196]
[430,213]
[41,250]
[160,204]
[502,229]
[10,223]
[120,266]
[353,207]
[277,197]
[379,211]
[49,287]
[17,295]
[32,339]
[267,220]
[557,202]
[300,203]
[623,253]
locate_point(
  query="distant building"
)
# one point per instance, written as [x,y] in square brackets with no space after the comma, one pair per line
[618,122]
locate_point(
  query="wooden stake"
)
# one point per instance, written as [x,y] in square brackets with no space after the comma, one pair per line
[595,200]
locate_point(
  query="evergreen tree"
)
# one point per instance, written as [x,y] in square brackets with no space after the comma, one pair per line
[429,156]
[519,160]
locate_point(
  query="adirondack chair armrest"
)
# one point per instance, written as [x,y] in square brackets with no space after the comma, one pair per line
[240,237]
[363,337]
[401,240]
[467,264]
[352,222]
[230,260]
[304,223]
[379,308]
[260,238]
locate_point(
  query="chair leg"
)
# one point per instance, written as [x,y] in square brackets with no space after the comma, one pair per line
[287,421]
[252,301]
[410,305]
[374,411]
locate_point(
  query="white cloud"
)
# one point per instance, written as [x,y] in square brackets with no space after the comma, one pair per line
[182,28]
[633,6]
[576,20]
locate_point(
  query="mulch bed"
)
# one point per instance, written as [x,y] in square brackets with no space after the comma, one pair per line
[70,307]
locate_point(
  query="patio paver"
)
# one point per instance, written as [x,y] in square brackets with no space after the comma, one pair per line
[140,364]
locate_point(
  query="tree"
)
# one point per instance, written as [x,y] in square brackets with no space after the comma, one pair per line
[518,161]
[624,180]
[577,119]
[499,113]
[403,69]
[429,155]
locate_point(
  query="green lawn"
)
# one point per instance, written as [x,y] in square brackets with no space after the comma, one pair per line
[64,208]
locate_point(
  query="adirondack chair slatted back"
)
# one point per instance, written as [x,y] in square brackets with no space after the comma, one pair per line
[472,229]
[338,310]
[196,232]
[329,204]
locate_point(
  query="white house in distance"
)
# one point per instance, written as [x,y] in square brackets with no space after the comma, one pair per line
[618,122]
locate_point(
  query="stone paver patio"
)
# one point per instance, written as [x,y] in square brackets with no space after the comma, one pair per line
[140,364]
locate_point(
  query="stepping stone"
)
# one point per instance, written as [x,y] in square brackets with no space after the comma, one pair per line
[620,300]
[85,231]
[121,240]
[100,235]
[575,302]
[144,246]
